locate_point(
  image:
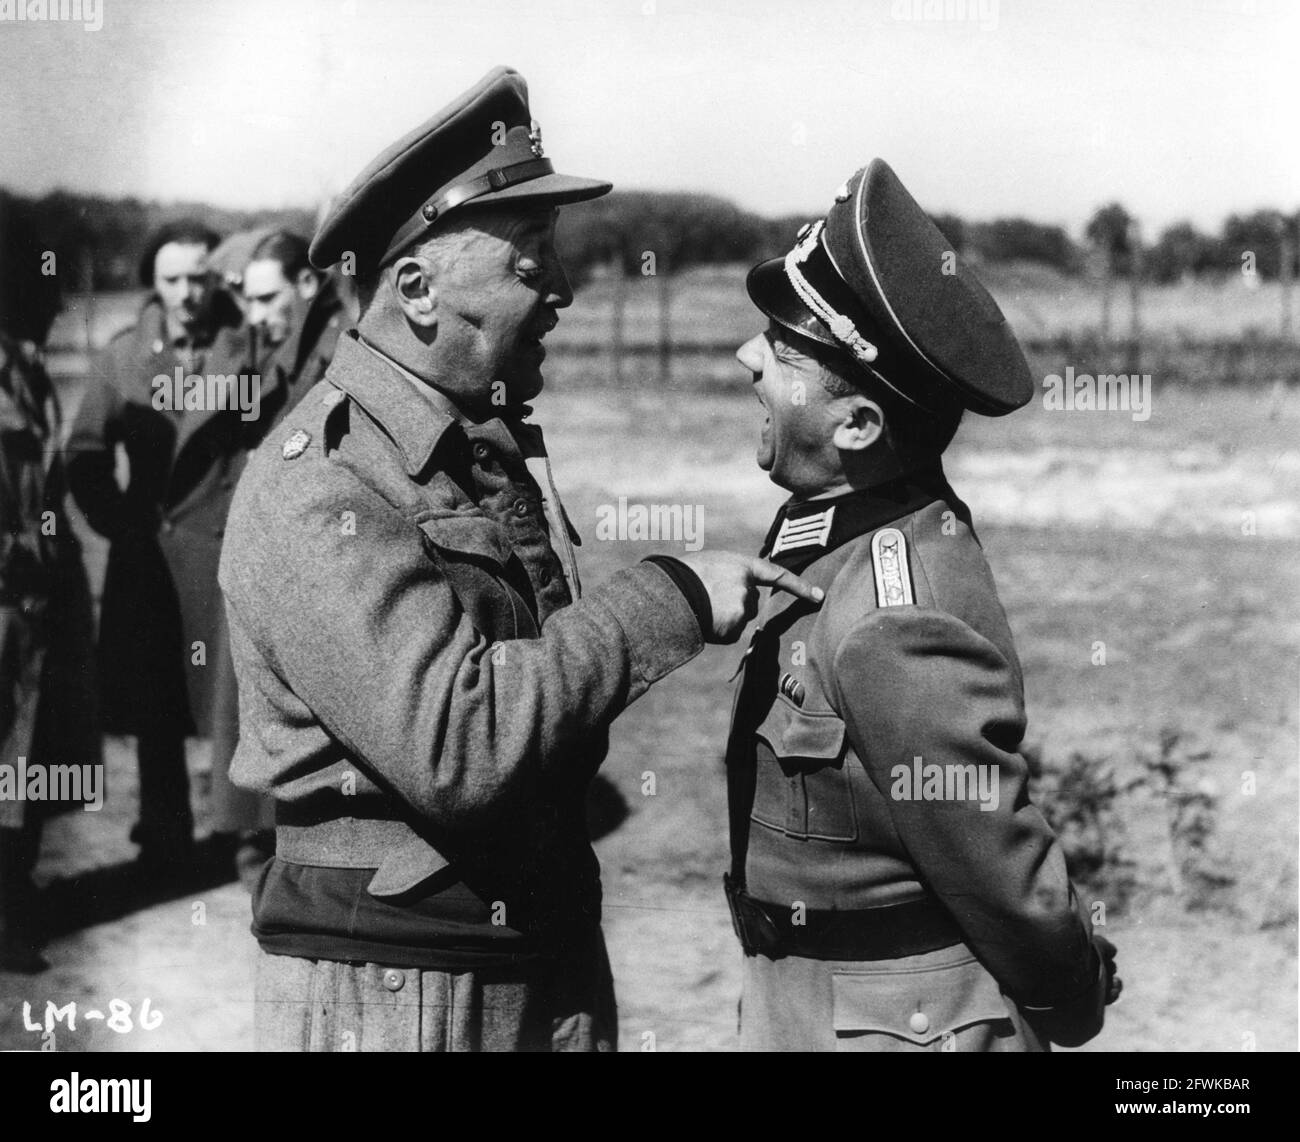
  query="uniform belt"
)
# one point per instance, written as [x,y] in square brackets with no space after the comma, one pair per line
[892,932]
[340,842]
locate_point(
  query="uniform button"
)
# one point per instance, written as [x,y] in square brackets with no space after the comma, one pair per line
[521,507]
[545,576]
[920,1022]
[168,527]
[393,980]
[481,451]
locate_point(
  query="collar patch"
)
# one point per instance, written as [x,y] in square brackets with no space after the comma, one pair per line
[806,531]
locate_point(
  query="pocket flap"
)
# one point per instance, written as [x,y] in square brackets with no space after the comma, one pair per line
[468,534]
[406,867]
[808,735]
[919,1005]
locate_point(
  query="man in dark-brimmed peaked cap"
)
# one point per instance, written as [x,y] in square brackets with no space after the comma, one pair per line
[421,689]
[891,884]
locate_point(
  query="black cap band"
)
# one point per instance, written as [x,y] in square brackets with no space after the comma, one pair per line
[497,179]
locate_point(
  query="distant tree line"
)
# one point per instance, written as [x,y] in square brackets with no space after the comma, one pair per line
[98,240]
[693,229]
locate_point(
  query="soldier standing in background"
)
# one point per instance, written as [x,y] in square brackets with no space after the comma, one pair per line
[47,691]
[891,884]
[297,314]
[164,667]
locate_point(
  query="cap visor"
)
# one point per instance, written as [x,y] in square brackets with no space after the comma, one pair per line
[558,189]
[771,291]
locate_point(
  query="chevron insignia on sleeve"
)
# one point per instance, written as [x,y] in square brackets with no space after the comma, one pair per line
[893,574]
[808,531]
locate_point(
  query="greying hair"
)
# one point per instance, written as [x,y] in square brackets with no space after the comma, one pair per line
[439,247]
[913,433]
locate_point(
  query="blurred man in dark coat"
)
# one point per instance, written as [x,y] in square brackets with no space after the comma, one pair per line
[163,656]
[47,692]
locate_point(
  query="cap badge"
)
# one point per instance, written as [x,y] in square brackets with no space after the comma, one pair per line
[808,531]
[535,138]
[893,573]
[296,445]
[842,195]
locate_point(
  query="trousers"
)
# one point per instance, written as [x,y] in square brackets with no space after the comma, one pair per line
[324,1005]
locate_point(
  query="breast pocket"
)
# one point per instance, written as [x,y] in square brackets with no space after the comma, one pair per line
[802,787]
[487,578]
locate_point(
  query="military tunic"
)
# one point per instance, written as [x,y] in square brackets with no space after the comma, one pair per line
[418,689]
[921,908]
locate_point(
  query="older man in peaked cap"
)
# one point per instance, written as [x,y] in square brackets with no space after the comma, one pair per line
[891,884]
[421,688]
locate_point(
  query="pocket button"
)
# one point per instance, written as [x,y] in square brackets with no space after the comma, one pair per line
[919,1022]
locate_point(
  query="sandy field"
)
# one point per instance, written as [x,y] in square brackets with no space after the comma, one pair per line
[1174,541]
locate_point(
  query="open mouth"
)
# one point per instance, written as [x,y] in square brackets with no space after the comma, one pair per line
[535,336]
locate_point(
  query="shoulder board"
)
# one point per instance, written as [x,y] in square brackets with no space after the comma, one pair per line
[893,571]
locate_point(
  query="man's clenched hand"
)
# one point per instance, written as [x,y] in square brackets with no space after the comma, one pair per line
[732,582]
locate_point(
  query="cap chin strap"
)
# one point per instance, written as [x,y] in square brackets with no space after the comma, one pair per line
[496,179]
[841,326]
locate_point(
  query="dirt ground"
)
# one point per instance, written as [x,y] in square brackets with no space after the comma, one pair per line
[1173,541]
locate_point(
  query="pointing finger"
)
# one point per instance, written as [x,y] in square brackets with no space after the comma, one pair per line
[779,579]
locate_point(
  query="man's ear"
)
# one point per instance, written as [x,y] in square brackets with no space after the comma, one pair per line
[861,424]
[307,283]
[413,288]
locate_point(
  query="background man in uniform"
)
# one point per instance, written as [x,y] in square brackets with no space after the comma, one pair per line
[47,684]
[296,313]
[421,688]
[891,883]
[164,671]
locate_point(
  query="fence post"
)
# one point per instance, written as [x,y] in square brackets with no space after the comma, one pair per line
[1286,272]
[663,271]
[86,272]
[1135,295]
[1107,284]
[617,319]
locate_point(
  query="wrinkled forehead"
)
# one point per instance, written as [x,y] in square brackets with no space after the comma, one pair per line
[512,221]
[181,258]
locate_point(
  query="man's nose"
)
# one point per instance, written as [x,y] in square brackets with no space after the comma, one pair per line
[750,354]
[559,293]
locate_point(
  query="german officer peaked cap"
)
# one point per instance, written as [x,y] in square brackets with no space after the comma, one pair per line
[482,148]
[877,279]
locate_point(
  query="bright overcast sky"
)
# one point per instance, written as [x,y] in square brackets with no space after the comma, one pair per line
[1178,108]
